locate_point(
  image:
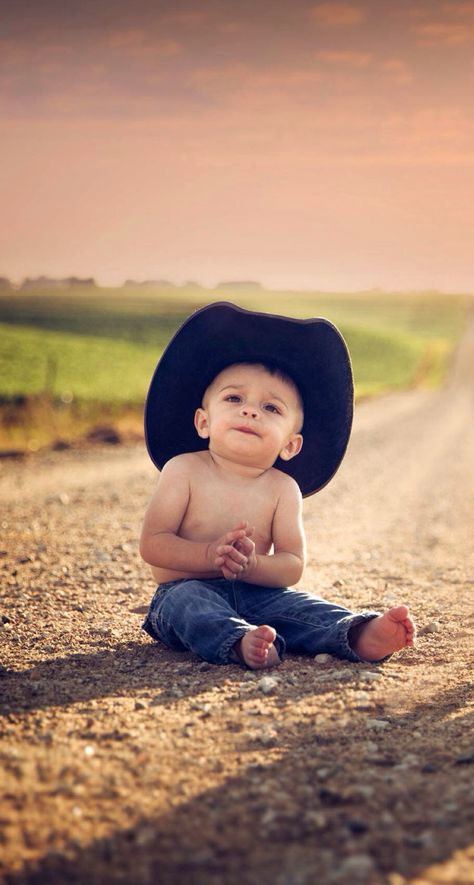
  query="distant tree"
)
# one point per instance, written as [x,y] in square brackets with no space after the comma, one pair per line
[43,282]
[5,284]
[239,285]
[150,284]
[77,281]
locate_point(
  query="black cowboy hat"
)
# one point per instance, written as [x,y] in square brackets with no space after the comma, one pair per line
[311,352]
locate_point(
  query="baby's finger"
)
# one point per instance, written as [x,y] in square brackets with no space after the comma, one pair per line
[236,566]
[246,546]
[231,552]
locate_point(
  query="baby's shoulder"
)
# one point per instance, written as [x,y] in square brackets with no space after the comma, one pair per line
[181,465]
[284,484]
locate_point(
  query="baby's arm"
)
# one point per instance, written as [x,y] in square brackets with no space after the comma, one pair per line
[160,544]
[285,565]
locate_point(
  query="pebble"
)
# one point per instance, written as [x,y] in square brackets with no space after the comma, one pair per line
[89,750]
[102,556]
[336,676]
[267,737]
[140,705]
[362,791]
[433,627]
[268,684]
[377,724]
[268,817]
[323,659]
[316,819]
[357,826]
[61,498]
[362,700]
[370,676]
[464,759]
[412,759]
[356,868]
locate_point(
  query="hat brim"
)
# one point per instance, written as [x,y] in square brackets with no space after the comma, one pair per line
[311,351]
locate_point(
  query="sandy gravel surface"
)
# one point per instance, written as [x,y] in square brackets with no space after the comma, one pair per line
[124,762]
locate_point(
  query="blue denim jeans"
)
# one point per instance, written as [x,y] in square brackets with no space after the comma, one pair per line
[208,617]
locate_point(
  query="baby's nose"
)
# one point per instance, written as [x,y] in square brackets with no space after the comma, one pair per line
[250,411]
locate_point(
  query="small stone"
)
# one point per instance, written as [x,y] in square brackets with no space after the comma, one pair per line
[370,676]
[356,868]
[268,684]
[316,819]
[60,498]
[140,705]
[362,700]
[377,724]
[357,826]
[433,627]
[268,817]
[267,737]
[89,750]
[464,759]
[361,791]
[323,659]
[145,835]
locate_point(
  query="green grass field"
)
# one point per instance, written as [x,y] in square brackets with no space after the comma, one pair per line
[69,358]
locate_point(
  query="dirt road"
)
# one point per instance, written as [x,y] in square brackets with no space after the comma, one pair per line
[124,762]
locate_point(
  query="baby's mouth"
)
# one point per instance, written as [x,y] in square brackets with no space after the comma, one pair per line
[245,429]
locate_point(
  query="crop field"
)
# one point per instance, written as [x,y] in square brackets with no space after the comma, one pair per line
[69,359]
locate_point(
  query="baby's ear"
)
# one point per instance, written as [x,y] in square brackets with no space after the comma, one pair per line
[201,423]
[293,447]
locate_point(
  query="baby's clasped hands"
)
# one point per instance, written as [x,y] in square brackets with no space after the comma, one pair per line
[234,553]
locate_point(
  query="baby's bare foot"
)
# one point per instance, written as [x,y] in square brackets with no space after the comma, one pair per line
[381,636]
[256,648]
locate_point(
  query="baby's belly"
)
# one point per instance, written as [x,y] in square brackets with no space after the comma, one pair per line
[162,575]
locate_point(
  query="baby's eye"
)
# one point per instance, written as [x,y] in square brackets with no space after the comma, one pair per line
[232,398]
[270,407]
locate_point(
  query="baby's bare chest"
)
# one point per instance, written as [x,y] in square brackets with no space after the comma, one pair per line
[214,510]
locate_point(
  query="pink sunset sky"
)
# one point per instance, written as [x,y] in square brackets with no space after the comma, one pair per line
[307,145]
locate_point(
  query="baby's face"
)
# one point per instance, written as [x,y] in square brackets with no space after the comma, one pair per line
[251,416]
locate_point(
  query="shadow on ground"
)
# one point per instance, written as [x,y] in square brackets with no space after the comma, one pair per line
[278,822]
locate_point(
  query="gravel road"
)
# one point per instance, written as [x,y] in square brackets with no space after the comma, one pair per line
[124,762]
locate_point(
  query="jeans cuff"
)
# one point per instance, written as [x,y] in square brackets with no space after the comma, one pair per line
[344,626]
[228,655]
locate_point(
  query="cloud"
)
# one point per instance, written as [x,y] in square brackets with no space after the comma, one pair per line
[398,70]
[337,14]
[463,9]
[439,33]
[135,42]
[347,58]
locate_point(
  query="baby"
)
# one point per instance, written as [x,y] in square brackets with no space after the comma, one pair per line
[224,532]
